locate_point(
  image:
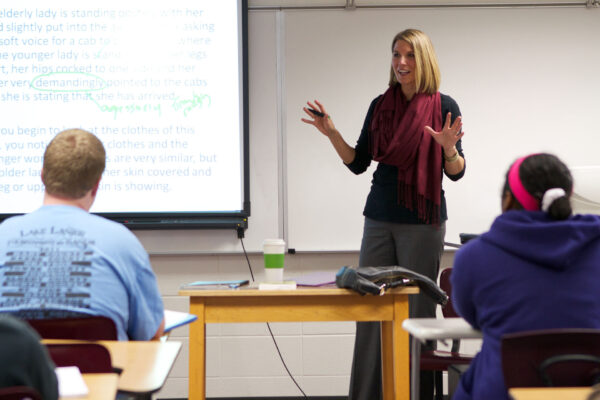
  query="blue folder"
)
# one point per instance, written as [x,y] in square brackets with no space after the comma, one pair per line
[174,319]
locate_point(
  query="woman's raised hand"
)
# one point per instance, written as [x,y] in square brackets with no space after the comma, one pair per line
[322,121]
[449,135]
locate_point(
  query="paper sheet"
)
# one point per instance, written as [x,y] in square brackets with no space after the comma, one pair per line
[70,382]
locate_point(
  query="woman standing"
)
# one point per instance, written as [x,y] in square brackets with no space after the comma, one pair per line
[414,133]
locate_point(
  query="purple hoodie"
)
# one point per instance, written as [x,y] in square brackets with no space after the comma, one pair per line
[528,272]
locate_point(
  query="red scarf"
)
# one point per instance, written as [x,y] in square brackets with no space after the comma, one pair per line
[398,138]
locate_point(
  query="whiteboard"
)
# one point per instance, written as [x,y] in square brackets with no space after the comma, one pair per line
[526,80]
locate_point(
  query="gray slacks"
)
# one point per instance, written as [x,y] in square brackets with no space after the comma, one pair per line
[413,246]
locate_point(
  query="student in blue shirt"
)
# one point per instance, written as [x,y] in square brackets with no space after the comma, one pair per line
[62,261]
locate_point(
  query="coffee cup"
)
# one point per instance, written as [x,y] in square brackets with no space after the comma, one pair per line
[274,255]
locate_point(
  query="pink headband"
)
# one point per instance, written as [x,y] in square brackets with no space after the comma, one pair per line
[523,196]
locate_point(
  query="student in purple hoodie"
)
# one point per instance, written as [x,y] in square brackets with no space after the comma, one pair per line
[538,267]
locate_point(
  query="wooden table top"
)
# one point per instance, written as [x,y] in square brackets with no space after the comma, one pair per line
[328,290]
[551,393]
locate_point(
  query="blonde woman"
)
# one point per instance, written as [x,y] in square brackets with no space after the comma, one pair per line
[414,133]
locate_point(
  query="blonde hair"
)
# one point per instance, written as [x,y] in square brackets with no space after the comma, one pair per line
[73,163]
[427,73]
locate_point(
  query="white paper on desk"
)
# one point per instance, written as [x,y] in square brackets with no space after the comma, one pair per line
[70,382]
[285,285]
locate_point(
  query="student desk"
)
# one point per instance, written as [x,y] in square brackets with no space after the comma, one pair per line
[424,329]
[100,386]
[145,364]
[328,303]
[551,393]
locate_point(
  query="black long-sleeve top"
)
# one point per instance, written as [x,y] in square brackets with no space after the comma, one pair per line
[382,201]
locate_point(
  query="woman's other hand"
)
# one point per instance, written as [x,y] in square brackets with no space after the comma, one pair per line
[323,123]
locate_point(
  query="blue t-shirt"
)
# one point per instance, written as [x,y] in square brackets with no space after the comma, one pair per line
[60,261]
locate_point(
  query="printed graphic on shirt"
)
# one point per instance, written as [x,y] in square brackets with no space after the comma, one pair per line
[47,273]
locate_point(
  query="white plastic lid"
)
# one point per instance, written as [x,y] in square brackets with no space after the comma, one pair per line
[274,242]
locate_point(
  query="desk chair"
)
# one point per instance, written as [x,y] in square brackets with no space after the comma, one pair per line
[85,328]
[88,357]
[19,393]
[551,357]
[437,360]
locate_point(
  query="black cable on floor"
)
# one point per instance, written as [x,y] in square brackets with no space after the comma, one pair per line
[285,366]
[269,328]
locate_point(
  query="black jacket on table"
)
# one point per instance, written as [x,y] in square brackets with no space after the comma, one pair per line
[382,202]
